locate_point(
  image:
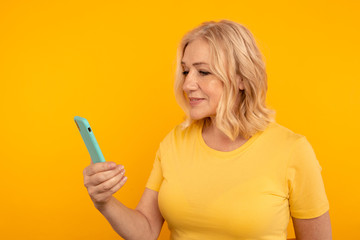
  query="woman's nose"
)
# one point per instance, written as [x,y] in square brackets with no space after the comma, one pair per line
[190,82]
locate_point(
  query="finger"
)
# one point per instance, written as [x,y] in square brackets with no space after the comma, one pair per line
[119,185]
[101,177]
[103,196]
[109,184]
[99,167]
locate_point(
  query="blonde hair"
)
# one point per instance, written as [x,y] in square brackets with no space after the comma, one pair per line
[233,54]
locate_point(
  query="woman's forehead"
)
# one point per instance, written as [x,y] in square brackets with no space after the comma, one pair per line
[196,52]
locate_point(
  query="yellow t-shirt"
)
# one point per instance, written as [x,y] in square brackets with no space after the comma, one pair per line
[248,193]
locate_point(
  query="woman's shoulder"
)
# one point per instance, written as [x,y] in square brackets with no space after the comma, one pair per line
[276,131]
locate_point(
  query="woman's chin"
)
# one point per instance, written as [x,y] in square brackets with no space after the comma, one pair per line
[197,116]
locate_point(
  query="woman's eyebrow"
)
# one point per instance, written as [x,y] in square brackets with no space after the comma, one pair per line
[196,64]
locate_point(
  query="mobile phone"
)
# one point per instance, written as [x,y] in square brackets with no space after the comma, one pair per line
[88,136]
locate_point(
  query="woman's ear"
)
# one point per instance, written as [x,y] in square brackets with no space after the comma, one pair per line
[240,83]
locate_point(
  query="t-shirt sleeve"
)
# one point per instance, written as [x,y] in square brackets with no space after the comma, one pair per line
[307,197]
[156,175]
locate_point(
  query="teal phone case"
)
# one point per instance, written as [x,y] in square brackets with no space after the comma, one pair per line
[89,139]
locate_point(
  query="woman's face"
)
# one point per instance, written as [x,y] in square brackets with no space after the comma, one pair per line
[202,88]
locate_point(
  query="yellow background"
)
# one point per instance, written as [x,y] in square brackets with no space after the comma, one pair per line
[113,62]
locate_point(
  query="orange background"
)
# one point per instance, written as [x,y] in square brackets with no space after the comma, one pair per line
[113,62]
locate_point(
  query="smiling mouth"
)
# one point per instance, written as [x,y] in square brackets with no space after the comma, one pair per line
[195,99]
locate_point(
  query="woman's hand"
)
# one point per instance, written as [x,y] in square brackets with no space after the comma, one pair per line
[102,180]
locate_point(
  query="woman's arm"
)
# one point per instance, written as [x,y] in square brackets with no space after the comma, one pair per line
[144,222]
[102,180]
[313,229]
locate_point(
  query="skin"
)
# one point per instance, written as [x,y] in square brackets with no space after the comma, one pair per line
[199,82]
[102,180]
[315,228]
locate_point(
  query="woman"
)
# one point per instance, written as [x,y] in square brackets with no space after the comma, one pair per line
[229,171]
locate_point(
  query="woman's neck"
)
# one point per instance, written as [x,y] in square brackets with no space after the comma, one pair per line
[218,140]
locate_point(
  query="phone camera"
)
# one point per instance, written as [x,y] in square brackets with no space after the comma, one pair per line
[89,129]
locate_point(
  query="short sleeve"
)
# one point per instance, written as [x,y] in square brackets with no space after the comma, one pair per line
[307,197]
[156,176]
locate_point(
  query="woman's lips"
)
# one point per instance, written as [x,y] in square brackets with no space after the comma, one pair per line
[196,101]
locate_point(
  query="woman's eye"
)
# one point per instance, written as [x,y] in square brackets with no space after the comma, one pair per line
[185,73]
[204,73]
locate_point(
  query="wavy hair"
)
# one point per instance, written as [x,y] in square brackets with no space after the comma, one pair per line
[234,54]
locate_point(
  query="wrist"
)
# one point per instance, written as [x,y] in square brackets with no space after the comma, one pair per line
[104,206]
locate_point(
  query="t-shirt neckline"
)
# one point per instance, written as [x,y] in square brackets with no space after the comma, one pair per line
[236,151]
